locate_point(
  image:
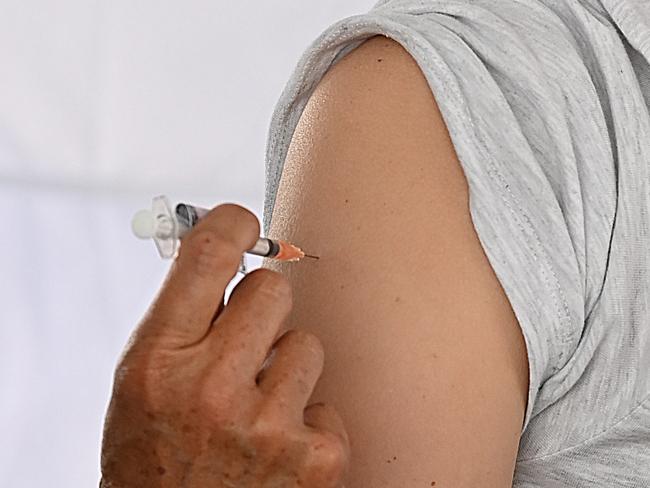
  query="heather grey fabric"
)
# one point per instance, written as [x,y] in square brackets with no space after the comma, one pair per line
[546,104]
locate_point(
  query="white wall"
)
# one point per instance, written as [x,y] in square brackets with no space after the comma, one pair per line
[104,105]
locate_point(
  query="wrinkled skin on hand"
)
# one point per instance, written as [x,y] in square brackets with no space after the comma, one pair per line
[198,400]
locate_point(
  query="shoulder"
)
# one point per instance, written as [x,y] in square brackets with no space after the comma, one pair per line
[380,82]
[422,347]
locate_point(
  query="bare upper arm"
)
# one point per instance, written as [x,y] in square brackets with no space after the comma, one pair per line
[424,358]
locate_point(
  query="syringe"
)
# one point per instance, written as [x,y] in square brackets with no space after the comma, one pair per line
[166,228]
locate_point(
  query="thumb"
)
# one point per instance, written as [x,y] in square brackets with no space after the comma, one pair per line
[322,416]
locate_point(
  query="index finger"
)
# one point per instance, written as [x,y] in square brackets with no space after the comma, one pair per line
[207,261]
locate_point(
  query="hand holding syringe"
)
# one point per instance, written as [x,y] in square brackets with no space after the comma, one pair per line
[208,393]
[166,227]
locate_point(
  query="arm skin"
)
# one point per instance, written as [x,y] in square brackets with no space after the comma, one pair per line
[424,358]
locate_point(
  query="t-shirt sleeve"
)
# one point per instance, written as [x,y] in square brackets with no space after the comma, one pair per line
[533,147]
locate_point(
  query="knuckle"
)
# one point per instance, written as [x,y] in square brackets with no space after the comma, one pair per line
[129,383]
[272,283]
[270,431]
[141,387]
[134,374]
[219,406]
[307,340]
[329,453]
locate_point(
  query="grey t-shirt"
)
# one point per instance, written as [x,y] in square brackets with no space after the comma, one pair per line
[546,105]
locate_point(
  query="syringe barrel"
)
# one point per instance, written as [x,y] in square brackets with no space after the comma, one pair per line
[187,217]
[264,247]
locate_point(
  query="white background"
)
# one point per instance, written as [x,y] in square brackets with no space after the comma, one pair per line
[103,105]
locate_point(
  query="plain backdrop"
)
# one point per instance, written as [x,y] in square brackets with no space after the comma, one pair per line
[103,105]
